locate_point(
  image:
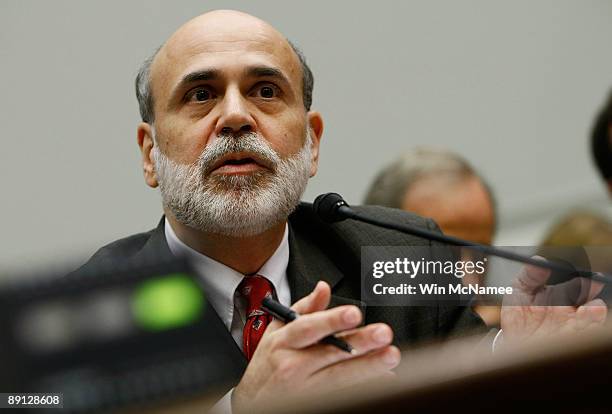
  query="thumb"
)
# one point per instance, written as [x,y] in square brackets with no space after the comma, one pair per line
[317,300]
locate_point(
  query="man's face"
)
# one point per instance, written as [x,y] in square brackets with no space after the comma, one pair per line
[227,74]
[233,141]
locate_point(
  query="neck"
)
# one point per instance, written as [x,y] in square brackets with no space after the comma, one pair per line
[253,251]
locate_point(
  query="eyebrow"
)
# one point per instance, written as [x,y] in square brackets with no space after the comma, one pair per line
[197,76]
[267,72]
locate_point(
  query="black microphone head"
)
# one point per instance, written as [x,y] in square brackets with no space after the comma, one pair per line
[326,206]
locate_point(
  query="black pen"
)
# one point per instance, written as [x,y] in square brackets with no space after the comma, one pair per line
[286,315]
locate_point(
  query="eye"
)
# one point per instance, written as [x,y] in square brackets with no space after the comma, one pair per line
[267,91]
[200,94]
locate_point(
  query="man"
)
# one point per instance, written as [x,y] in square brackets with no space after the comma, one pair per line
[439,184]
[443,186]
[229,137]
[601,142]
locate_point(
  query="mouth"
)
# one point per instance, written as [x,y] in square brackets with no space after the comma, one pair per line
[239,163]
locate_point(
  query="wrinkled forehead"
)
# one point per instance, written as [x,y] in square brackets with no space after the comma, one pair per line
[228,48]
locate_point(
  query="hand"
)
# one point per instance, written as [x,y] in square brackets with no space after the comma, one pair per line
[290,361]
[535,310]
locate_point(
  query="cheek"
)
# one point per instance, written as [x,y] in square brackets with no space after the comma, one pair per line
[291,143]
[287,137]
[185,141]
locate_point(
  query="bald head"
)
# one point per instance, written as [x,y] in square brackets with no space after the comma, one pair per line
[460,205]
[222,26]
[209,32]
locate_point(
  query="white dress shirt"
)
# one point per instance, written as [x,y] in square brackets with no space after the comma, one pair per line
[220,281]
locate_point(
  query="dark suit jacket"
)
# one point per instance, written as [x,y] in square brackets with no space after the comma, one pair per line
[330,252]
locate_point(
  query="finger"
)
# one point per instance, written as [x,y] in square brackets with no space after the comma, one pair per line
[368,337]
[589,289]
[363,340]
[311,328]
[591,313]
[359,369]
[595,289]
[531,278]
[317,300]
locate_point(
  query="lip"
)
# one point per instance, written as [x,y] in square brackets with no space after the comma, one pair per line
[239,163]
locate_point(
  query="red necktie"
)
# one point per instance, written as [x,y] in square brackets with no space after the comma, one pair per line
[255,289]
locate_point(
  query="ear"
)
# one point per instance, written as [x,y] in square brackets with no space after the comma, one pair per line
[315,124]
[145,142]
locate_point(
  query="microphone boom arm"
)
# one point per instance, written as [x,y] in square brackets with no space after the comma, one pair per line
[331,207]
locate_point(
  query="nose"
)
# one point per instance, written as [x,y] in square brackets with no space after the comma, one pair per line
[235,115]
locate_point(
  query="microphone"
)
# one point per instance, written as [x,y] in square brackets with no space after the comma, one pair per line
[332,208]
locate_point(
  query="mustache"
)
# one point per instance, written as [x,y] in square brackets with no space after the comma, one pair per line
[252,143]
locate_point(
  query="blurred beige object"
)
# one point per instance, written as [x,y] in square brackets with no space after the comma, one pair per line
[580,228]
[588,230]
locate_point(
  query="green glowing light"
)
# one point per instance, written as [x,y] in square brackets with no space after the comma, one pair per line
[167,302]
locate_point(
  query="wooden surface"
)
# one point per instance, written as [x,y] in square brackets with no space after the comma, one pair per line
[567,374]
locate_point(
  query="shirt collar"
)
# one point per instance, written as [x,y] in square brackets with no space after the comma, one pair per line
[220,281]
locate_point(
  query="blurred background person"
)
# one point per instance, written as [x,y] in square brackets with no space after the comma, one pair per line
[580,228]
[441,185]
[587,234]
[601,142]
[583,239]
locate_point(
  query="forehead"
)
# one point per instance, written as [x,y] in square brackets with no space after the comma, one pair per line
[228,47]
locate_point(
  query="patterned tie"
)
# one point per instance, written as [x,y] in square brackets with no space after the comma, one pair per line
[254,289]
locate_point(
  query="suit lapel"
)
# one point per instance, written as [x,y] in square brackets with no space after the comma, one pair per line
[307,265]
[156,246]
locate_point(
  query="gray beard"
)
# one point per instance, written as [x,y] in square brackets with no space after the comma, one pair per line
[233,205]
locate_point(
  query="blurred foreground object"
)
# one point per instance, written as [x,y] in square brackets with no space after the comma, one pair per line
[127,336]
[565,373]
